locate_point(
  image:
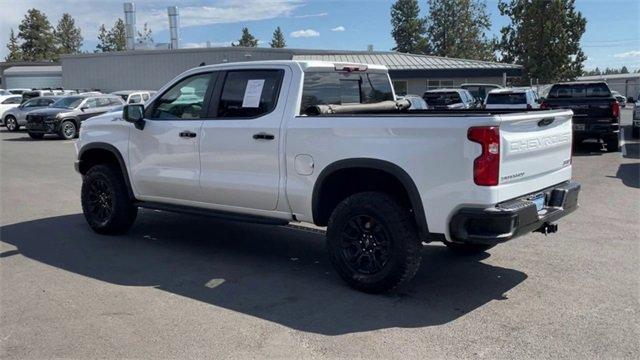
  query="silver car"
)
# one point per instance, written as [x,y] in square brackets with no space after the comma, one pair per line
[16,117]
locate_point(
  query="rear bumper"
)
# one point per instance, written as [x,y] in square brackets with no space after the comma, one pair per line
[513,218]
[595,130]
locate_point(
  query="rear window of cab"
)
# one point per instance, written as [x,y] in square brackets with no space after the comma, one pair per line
[507,98]
[339,88]
[579,90]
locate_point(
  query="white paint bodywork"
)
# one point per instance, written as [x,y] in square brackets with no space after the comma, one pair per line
[224,168]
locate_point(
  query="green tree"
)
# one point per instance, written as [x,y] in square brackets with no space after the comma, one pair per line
[117,36]
[144,36]
[112,40]
[408,28]
[68,36]
[247,40]
[456,28]
[38,41]
[278,39]
[544,37]
[15,54]
[624,70]
[104,44]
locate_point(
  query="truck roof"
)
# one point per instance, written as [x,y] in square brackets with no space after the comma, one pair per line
[305,65]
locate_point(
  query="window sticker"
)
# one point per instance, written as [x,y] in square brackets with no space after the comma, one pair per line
[252,93]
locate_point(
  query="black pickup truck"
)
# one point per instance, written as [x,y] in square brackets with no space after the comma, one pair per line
[596,113]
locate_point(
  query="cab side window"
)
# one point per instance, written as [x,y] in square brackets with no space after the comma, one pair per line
[91,103]
[184,100]
[249,93]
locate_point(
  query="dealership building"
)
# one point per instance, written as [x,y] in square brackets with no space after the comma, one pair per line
[150,69]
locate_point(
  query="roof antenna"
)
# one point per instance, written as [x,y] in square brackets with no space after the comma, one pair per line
[201,64]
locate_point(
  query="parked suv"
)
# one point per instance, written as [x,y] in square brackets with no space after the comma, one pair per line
[512,98]
[64,116]
[635,124]
[596,113]
[8,102]
[444,99]
[16,117]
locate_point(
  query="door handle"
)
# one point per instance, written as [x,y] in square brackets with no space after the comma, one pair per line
[187,134]
[263,136]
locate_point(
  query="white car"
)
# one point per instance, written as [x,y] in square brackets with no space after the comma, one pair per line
[9,102]
[276,142]
[449,99]
[134,96]
[512,98]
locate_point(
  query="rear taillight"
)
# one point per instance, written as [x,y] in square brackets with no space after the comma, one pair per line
[615,109]
[543,105]
[486,167]
[529,107]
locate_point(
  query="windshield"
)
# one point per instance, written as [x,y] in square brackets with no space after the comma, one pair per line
[70,102]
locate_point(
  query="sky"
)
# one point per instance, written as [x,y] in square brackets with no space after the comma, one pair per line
[612,38]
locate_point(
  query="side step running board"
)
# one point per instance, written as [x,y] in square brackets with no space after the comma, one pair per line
[211,213]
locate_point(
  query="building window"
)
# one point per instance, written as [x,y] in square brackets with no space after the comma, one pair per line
[439,84]
[401,87]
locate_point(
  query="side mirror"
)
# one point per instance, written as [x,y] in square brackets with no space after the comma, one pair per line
[134,113]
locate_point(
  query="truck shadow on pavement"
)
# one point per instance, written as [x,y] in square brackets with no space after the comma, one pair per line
[273,273]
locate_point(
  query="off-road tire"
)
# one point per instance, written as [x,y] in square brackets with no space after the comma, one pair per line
[122,213]
[36,136]
[467,248]
[11,123]
[394,226]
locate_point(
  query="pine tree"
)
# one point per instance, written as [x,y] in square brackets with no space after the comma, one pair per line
[247,40]
[624,70]
[15,54]
[278,39]
[456,28]
[408,27]
[68,36]
[38,41]
[104,44]
[144,37]
[117,36]
[543,37]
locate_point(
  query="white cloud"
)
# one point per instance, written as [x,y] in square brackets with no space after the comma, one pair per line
[339,28]
[628,54]
[227,12]
[305,33]
[90,14]
[304,16]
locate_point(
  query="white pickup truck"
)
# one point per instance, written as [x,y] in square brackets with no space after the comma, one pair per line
[280,142]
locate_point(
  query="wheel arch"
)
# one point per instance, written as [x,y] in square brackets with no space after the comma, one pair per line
[322,206]
[98,153]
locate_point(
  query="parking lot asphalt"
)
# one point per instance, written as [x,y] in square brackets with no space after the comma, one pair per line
[178,286]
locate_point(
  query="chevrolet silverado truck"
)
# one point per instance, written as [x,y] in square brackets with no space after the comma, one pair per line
[280,142]
[596,112]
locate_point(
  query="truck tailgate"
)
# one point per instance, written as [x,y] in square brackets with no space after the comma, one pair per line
[535,151]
